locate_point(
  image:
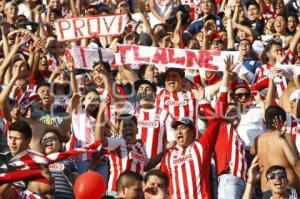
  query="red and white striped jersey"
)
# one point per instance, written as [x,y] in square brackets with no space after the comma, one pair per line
[293,127]
[179,104]
[230,153]
[124,157]
[112,111]
[154,129]
[188,168]
[24,194]
[83,133]
[263,72]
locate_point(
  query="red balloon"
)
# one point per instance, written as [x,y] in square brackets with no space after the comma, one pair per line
[90,185]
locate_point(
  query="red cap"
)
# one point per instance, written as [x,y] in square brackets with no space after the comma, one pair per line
[236,84]
[216,35]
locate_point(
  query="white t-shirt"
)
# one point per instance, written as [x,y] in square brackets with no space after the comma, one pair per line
[251,124]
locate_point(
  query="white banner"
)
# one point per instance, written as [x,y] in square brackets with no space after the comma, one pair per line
[87,27]
[85,58]
[173,57]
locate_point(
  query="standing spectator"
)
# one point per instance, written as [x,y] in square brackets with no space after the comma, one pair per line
[63,172]
[174,99]
[189,160]
[154,123]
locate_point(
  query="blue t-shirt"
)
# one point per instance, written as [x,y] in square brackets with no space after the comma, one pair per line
[197,25]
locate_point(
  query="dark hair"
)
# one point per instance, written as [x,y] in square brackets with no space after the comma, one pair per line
[274,168]
[271,113]
[57,133]
[41,84]
[252,2]
[294,15]
[126,116]
[22,127]
[126,177]
[142,70]
[158,173]
[105,65]
[264,59]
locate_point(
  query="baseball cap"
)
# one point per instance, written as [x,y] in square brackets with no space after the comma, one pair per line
[140,82]
[234,85]
[184,121]
[189,77]
[10,4]
[295,95]
[177,70]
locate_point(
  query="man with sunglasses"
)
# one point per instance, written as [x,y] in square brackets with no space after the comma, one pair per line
[271,148]
[277,180]
[251,122]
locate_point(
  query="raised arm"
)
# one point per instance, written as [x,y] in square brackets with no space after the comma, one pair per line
[99,132]
[112,89]
[230,37]
[148,28]
[253,176]
[5,42]
[287,144]
[18,43]
[270,94]
[4,96]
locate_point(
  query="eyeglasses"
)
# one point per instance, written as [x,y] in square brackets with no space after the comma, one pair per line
[240,95]
[49,139]
[272,176]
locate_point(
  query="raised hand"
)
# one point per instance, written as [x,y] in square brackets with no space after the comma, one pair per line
[176,38]
[228,12]
[103,105]
[229,65]
[280,126]
[254,172]
[22,37]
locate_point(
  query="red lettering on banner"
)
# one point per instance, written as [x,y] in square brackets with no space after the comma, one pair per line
[89,27]
[123,50]
[176,60]
[105,23]
[77,28]
[120,23]
[136,54]
[61,28]
[160,56]
[208,56]
[192,57]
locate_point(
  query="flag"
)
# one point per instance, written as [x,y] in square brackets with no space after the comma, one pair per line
[33,160]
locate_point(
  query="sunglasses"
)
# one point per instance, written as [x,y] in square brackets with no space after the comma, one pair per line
[240,95]
[49,139]
[272,176]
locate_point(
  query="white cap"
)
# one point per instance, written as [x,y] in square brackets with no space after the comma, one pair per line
[9,4]
[295,95]
[189,77]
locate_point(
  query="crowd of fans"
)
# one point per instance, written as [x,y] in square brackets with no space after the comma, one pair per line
[165,132]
